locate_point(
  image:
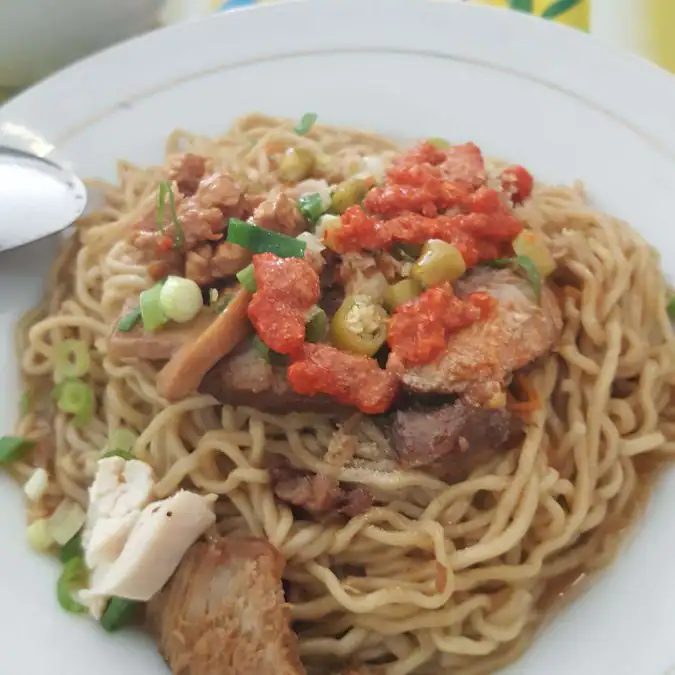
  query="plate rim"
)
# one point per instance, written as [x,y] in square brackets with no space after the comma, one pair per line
[640,110]
[655,81]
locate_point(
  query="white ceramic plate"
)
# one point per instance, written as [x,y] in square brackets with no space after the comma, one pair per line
[520,87]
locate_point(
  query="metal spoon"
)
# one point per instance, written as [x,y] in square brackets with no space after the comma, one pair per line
[38,197]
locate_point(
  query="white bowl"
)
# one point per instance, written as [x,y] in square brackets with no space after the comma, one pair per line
[38,37]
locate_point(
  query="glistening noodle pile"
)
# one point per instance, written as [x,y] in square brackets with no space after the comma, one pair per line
[455,575]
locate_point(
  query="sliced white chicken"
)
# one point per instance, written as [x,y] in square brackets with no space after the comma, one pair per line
[118,495]
[155,547]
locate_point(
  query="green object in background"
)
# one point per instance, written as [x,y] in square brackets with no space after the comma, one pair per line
[559,7]
[521,5]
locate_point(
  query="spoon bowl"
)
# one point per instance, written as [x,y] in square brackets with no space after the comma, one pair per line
[39,197]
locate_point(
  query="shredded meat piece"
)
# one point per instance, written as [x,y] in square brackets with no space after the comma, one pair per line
[205,264]
[187,170]
[224,613]
[228,259]
[318,494]
[171,263]
[279,214]
[203,215]
[198,264]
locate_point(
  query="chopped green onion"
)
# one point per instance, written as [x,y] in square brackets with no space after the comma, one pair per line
[71,549]
[129,320]
[317,324]
[73,577]
[13,448]
[306,123]
[76,398]
[260,347]
[527,266]
[180,299]
[66,521]
[71,359]
[121,439]
[670,308]
[118,613]
[165,190]
[439,143]
[246,278]
[152,313]
[311,207]
[38,535]
[259,240]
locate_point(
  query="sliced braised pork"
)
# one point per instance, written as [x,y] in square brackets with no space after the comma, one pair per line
[480,358]
[246,378]
[224,612]
[451,440]
[158,345]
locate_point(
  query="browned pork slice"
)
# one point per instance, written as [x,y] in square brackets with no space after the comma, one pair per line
[480,358]
[246,378]
[224,612]
[318,494]
[159,345]
[452,440]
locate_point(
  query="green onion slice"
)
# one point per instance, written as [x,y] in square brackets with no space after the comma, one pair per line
[311,207]
[317,324]
[165,191]
[670,308]
[73,577]
[76,398]
[122,439]
[129,320]
[151,311]
[71,359]
[118,613]
[259,240]
[13,448]
[162,189]
[246,278]
[306,123]
[525,265]
[71,549]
